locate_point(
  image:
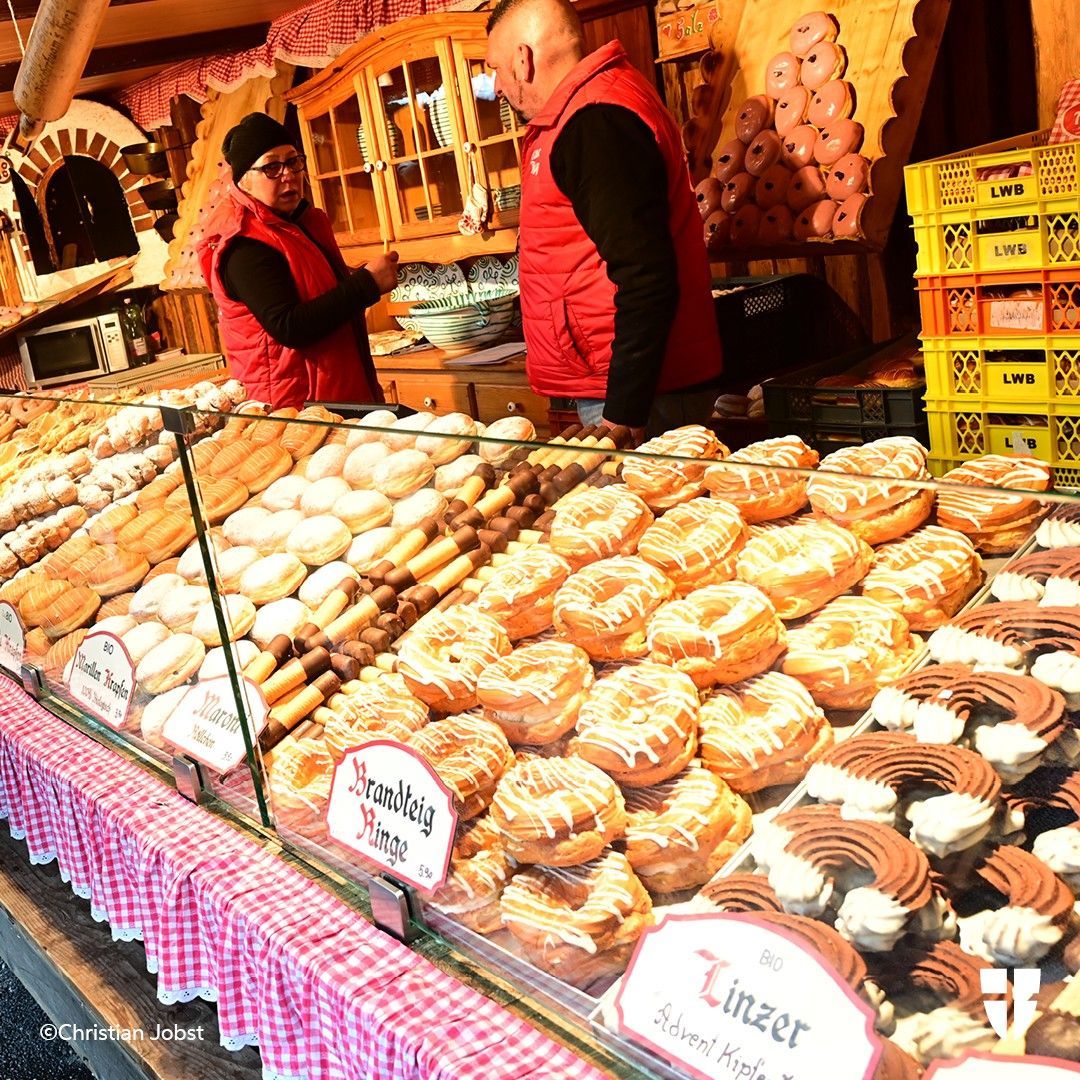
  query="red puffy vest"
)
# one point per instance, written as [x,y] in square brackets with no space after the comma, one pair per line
[567,298]
[331,369]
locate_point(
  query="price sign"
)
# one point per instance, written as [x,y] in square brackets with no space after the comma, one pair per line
[205,724]
[12,639]
[1016,314]
[976,1065]
[726,995]
[389,805]
[102,678]
[685,32]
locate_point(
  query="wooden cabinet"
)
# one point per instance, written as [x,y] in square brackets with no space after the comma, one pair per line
[419,380]
[399,128]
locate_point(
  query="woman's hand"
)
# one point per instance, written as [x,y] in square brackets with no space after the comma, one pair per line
[384,270]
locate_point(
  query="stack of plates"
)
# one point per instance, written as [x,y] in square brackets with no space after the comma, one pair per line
[440,120]
[460,322]
[393,135]
[507,198]
[506,115]
[421,212]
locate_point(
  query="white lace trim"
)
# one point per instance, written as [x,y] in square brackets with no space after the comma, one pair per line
[42,858]
[269,1074]
[182,997]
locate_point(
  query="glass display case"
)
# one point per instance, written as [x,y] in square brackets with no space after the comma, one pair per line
[553,696]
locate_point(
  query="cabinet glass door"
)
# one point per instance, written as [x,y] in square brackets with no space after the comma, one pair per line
[420,146]
[341,164]
[494,131]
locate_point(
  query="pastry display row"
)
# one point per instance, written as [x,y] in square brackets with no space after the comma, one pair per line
[675,678]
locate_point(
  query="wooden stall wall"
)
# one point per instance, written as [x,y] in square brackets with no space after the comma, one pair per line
[983,88]
[631,21]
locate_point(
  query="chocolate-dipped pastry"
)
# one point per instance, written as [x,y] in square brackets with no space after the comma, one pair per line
[741,892]
[1051,576]
[892,765]
[832,851]
[825,941]
[1037,910]
[941,967]
[1054,1035]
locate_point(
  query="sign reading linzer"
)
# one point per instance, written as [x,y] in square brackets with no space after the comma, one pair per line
[725,995]
[205,724]
[978,1066]
[102,678]
[389,805]
[12,639]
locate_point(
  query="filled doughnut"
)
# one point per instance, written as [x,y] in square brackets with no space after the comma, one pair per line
[838,140]
[470,755]
[772,187]
[442,657]
[810,29]
[579,923]
[729,160]
[802,566]
[639,724]
[781,74]
[664,483]
[381,709]
[605,606]
[695,543]
[874,510]
[765,731]
[754,115]
[535,692]
[763,152]
[847,650]
[479,871]
[597,523]
[558,811]
[825,61]
[717,634]
[681,831]
[791,108]
[762,494]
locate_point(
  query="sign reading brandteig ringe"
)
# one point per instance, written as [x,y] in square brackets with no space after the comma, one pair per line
[389,805]
[726,996]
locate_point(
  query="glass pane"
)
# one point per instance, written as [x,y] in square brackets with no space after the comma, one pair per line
[360,191]
[333,202]
[406,133]
[348,128]
[494,114]
[440,198]
[504,174]
[322,143]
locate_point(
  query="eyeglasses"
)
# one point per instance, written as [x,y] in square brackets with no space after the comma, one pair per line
[272,170]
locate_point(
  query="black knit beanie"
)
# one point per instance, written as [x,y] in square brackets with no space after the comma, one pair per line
[250,139]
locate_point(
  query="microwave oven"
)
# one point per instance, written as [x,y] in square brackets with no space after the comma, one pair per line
[73,351]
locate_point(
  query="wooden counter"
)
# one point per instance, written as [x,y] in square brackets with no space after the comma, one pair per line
[420,379]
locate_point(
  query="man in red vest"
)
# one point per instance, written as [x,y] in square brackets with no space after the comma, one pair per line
[291,312]
[615,285]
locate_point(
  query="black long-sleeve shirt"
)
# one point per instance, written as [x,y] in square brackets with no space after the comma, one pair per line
[258,276]
[607,163]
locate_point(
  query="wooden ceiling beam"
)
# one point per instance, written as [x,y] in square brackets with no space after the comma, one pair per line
[164,51]
[27,9]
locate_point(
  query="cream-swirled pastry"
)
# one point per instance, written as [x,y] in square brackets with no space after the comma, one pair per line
[1051,578]
[1010,719]
[869,775]
[812,856]
[1060,528]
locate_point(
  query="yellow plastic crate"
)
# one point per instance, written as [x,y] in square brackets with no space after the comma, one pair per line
[999,427]
[1030,370]
[965,220]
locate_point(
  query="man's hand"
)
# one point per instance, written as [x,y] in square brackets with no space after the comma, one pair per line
[384,270]
[637,434]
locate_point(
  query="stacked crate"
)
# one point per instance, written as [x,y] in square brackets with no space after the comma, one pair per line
[998,269]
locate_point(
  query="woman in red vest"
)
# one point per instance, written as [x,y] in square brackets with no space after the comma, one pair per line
[291,312]
[616,292]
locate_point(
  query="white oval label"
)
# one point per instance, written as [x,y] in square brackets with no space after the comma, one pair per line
[102,678]
[12,639]
[388,804]
[205,724]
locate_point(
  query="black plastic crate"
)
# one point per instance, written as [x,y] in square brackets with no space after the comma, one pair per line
[795,397]
[825,439]
[769,325]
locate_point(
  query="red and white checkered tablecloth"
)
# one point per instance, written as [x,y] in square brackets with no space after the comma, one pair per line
[323,994]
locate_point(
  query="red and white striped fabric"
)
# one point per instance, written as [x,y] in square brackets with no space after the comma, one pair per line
[310,36]
[323,994]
